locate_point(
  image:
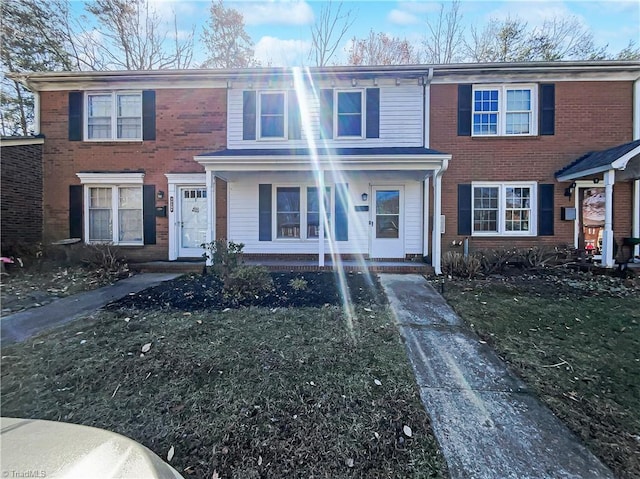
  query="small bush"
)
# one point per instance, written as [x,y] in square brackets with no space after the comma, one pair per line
[538,256]
[496,260]
[457,265]
[104,256]
[225,256]
[247,283]
[299,284]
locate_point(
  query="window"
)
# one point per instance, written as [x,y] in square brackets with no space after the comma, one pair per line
[113,207]
[504,209]
[504,110]
[114,116]
[290,202]
[272,115]
[349,114]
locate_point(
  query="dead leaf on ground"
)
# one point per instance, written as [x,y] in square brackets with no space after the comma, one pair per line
[407,431]
[170,453]
[146,348]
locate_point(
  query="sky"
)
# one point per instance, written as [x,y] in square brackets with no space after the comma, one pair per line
[281,29]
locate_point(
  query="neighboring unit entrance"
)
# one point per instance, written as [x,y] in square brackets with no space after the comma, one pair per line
[387,238]
[191,221]
[591,211]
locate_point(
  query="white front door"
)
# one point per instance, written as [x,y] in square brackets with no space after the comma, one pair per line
[191,221]
[387,221]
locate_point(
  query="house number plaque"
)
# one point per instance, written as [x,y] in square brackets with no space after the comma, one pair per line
[171,204]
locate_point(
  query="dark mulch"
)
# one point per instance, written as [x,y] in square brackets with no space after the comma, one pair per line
[196,292]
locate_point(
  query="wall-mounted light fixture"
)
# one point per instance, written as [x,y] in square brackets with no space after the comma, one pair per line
[596,180]
[364,196]
[354,82]
[160,195]
[568,191]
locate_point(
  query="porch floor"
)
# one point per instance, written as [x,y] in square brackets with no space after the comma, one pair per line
[408,267]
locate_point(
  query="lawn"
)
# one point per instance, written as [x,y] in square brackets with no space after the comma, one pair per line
[576,340]
[265,391]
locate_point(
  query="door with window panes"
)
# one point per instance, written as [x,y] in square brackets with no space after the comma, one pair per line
[192,221]
[387,239]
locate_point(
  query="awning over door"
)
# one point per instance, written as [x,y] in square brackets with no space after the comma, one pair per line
[622,158]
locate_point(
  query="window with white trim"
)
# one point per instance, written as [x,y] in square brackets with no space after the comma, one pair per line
[114,116]
[272,115]
[297,214]
[349,114]
[504,110]
[504,209]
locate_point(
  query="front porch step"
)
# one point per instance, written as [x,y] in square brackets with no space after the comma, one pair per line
[406,267]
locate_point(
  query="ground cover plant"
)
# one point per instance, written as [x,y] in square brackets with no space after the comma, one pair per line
[575,338]
[243,392]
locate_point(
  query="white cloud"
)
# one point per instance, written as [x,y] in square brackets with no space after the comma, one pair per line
[276,12]
[534,13]
[276,52]
[402,17]
[418,6]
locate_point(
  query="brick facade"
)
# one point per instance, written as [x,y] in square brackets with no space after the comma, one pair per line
[592,115]
[21,194]
[188,122]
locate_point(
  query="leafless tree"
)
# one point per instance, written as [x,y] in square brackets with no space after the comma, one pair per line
[132,36]
[227,42]
[328,32]
[444,39]
[380,49]
[500,41]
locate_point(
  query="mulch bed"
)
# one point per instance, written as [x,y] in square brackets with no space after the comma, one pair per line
[196,292]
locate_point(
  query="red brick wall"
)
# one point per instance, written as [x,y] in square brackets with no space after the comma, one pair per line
[588,116]
[188,122]
[21,188]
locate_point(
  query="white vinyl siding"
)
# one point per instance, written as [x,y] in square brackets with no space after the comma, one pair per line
[401,122]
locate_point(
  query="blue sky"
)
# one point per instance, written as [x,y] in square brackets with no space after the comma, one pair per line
[280,29]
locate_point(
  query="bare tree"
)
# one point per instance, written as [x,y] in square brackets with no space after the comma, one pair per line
[500,41]
[630,52]
[227,42]
[328,31]
[380,49]
[445,35]
[564,38]
[132,37]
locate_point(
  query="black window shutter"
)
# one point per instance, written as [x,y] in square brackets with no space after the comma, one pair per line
[76,101]
[76,227]
[149,115]
[547,109]
[326,113]
[149,213]
[545,210]
[249,115]
[264,212]
[342,212]
[294,116]
[373,113]
[464,110]
[465,210]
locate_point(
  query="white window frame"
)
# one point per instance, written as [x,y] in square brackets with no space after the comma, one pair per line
[304,236]
[114,115]
[285,116]
[502,108]
[363,109]
[115,181]
[502,207]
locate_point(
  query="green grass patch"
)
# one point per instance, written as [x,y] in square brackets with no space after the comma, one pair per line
[259,392]
[578,349]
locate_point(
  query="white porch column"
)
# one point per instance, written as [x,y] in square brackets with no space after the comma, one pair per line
[321,194]
[425,218]
[608,260]
[636,216]
[211,208]
[436,242]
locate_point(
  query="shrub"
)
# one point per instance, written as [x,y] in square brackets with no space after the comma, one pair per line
[246,283]
[538,256]
[225,256]
[496,260]
[299,284]
[457,265]
[103,256]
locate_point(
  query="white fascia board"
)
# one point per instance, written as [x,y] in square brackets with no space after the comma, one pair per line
[537,77]
[186,178]
[21,141]
[304,163]
[111,178]
[621,163]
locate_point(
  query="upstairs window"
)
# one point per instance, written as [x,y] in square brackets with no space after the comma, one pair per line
[272,115]
[114,116]
[504,110]
[349,114]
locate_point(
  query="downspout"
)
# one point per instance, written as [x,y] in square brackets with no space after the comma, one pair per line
[436,250]
[635,226]
[426,95]
[36,113]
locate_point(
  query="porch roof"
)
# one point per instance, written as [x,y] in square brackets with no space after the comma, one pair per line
[304,159]
[594,162]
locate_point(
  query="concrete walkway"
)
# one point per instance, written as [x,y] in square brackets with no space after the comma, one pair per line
[488,424]
[20,326]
